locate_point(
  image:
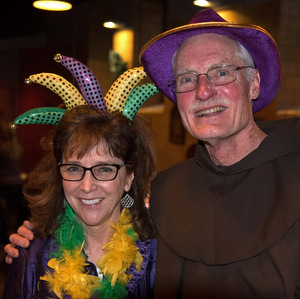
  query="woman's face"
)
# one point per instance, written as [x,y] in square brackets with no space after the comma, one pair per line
[96,203]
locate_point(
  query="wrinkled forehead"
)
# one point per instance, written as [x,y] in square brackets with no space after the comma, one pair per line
[211,43]
[211,40]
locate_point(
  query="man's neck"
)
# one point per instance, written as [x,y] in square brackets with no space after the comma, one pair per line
[231,150]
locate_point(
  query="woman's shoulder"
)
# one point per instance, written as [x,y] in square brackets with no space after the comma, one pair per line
[39,249]
[22,278]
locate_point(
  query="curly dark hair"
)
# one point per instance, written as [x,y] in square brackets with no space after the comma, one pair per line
[80,129]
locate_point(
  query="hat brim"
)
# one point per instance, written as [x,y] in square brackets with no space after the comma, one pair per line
[156,55]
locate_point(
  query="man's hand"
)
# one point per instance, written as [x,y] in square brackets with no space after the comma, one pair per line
[22,239]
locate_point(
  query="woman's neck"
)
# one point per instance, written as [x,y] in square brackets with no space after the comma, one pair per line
[94,241]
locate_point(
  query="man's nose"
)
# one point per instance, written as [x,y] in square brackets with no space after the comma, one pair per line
[205,89]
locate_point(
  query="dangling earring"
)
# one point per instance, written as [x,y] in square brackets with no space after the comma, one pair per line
[147,201]
[64,203]
[127,201]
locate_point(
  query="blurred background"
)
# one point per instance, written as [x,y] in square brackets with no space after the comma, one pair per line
[30,37]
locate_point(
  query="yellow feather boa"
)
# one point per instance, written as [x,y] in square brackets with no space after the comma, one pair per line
[68,275]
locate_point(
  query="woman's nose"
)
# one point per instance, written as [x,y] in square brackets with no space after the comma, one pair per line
[88,183]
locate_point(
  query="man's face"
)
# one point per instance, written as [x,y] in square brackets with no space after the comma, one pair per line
[215,112]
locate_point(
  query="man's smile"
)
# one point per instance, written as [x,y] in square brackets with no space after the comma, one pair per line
[211,111]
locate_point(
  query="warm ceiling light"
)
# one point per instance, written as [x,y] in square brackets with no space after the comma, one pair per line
[113,25]
[205,3]
[52,5]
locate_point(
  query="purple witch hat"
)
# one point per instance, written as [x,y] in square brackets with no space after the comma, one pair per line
[156,55]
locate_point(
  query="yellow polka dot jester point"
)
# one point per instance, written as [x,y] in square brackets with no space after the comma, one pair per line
[68,92]
[117,95]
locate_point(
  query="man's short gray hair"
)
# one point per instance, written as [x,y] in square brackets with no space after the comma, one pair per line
[242,52]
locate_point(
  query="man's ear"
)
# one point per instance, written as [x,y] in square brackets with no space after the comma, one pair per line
[255,85]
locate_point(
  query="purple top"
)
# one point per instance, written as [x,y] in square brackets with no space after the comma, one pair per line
[23,276]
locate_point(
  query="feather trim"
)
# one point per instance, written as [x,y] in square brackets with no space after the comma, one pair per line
[121,251]
[67,275]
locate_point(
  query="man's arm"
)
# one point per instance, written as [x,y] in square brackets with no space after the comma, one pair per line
[22,239]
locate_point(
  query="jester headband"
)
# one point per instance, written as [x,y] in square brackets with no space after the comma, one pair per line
[123,96]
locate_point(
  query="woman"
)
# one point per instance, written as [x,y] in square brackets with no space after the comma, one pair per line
[92,228]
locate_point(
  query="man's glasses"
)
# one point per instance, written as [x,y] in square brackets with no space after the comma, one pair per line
[217,76]
[101,172]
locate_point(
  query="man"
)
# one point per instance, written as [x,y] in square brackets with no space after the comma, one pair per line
[227,219]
